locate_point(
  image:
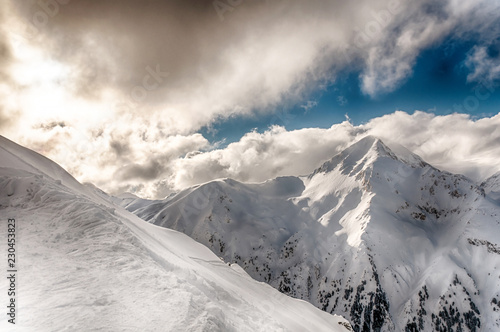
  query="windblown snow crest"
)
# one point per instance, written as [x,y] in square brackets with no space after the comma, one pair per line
[375,234]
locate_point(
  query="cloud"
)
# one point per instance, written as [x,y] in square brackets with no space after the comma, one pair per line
[131,82]
[142,159]
[453,142]
[309,105]
[484,67]
[258,157]
[342,101]
[5,120]
[392,40]
[180,60]
[119,52]
[128,154]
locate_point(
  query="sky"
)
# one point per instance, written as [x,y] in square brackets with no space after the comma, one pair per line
[154,96]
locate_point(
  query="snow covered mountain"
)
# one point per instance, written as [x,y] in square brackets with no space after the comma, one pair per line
[492,187]
[85,264]
[374,234]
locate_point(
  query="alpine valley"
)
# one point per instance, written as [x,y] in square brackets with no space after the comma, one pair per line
[375,234]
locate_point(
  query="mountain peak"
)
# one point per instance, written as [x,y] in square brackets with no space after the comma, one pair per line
[366,151]
[369,144]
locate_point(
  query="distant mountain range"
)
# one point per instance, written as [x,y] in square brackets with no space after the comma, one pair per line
[375,234]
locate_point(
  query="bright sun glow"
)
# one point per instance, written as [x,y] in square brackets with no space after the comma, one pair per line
[43,89]
[33,66]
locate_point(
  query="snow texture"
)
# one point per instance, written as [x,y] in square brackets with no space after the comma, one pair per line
[375,234]
[85,264]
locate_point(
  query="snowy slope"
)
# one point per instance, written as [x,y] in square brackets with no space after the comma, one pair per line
[374,234]
[492,187]
[85,264]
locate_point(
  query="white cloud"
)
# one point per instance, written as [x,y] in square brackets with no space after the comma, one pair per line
[390,55]
[452,142]
[484,68]
[309,105]
[137,155]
